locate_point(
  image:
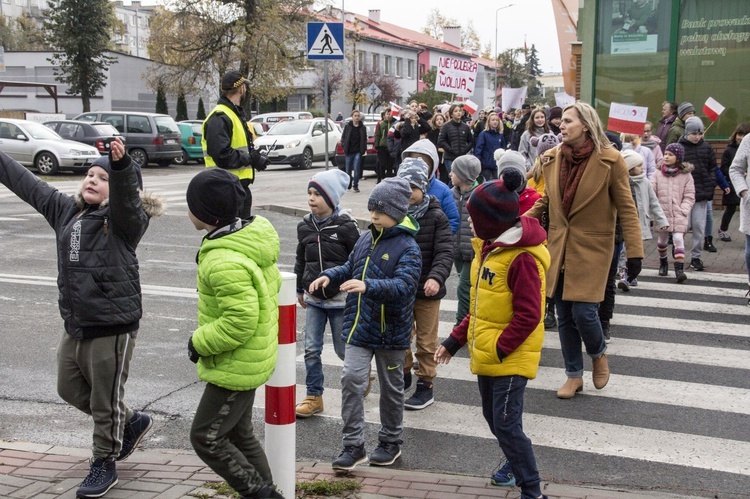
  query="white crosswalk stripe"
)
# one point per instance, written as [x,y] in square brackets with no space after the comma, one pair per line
[657,304]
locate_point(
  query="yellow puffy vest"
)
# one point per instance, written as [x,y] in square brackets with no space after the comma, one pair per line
[491,307]
[239,141]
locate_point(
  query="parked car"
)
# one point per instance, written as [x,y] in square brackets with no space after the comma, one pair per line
[298,142]
[268,120]
[33,144]
[191,142]
[93,133]
[370,159]
[150,137]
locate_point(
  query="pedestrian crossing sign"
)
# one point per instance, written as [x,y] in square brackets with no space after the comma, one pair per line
[325,41]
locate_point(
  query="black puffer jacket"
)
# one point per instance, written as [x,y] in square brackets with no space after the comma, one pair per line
[349,128]
[436,244]
[726,161]
[455,139]
[98,280]
[462,247]
[321,247]
[410,133]
[703,159]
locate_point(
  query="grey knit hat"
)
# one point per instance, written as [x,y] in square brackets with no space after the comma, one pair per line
[685,108]
[693,125]
[467,168]
[414,171]
[391,196]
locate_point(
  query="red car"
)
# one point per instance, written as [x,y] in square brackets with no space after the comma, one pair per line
[370,159]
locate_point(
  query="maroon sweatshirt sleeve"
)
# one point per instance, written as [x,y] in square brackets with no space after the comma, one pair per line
[525,283]
[458,336]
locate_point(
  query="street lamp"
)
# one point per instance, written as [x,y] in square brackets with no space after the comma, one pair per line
[496,52]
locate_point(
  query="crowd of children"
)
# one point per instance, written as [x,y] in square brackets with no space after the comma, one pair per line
[378,292]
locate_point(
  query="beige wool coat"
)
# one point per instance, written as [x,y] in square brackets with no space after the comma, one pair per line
[582,244]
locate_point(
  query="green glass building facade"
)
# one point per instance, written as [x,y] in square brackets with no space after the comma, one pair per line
[643,52]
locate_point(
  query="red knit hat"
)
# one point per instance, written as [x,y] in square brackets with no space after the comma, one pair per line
[493,208]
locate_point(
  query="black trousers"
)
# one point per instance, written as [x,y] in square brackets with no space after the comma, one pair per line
[248,203]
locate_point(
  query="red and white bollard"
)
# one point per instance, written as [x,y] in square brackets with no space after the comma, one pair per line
[281,390]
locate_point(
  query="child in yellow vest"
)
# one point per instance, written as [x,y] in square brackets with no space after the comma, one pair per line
[504,330]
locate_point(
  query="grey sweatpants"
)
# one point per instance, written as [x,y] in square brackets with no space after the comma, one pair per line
[354,380]
[698,224]
[222,436]
[91,376]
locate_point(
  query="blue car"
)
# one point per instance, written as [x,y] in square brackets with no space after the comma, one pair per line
[191,142]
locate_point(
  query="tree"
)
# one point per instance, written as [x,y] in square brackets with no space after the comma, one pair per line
[80,62]
[201,114]
[511,72]
[161,101]
[436,22]
[181,108]
[21,33]
[487,51]
[533,71]
[198,41]
[429,95]
[335,80]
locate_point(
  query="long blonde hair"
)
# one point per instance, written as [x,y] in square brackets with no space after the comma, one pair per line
[590,120]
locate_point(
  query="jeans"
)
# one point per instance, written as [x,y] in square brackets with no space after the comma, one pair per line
[353,168]
[698,223]
[502,407]
[315,328]
[709,219]
[489,173]
[464,286]
[577,321]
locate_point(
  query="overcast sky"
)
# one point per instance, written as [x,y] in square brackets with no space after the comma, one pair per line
[532,18]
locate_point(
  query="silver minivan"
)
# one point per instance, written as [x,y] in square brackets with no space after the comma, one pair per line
[149,137]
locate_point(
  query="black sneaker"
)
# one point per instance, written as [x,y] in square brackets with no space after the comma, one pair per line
[697,264]
[385,454]
[102,477]
[407,381]
[351,456]
[422,397]
[550,321]
[135,430]
[268,491]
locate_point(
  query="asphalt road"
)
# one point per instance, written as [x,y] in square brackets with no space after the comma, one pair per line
[450,437]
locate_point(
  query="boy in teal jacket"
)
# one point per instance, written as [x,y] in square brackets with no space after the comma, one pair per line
[237,336]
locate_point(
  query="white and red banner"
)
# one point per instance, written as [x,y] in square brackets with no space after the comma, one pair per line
[625,118]
[513,98]
[395,109]
[563,99]
[470,106]
[456,76]
[712,109]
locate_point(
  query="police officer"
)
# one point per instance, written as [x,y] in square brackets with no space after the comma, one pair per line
[227,141]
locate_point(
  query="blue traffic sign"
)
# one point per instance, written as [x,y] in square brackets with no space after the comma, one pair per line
[325,41]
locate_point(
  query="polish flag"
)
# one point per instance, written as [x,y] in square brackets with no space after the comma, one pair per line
[470,106]
[712,109]
[626,118]
[395,109]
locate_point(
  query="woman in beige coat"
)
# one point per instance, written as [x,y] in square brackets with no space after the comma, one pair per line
[586,188]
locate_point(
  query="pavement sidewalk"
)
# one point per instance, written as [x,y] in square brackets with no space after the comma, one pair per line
[37,471]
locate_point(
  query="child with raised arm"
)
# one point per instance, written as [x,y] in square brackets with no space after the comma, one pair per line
[98,232]
[504,330]
[325,238]
[381,277]
[236,341]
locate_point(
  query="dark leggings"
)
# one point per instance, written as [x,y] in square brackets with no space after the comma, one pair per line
[729,210]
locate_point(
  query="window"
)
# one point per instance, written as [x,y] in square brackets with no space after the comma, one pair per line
[388,69]
[410,69]
[21,3]
[376,63]
[132,20]
[360,61]
[116,120]
[69,131]
[399,67]
[138,124]
[88,117]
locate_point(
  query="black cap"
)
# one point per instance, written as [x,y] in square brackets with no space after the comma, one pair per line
[232,80]
[215,196]
[526,106]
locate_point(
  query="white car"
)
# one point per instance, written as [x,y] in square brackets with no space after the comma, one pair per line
[33,144]
[299,142]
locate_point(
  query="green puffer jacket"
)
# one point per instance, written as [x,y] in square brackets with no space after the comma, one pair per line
[238,305]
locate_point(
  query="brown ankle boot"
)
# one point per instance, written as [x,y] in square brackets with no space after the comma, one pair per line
[601,372]
[312,404]
[569,389]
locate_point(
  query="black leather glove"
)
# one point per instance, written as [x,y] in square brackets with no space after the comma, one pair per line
[258,161]
[193,354]
[633,266]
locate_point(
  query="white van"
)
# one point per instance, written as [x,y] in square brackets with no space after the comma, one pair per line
[267,120]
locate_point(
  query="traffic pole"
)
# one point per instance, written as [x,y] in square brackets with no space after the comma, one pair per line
[281,445]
